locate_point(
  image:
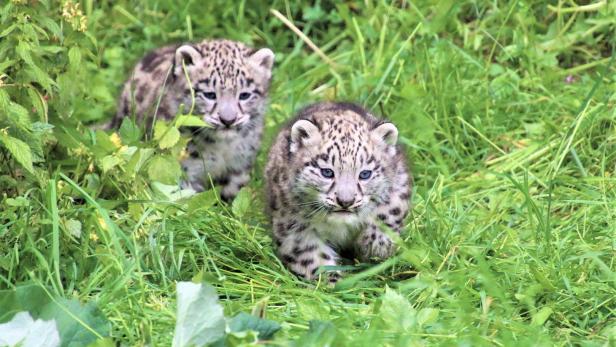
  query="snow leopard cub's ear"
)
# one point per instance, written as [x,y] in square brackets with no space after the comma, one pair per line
[187,56]
[304,134]
[262,61]
[385,133]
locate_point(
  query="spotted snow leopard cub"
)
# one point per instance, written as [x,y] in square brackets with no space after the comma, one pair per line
[230,83]
[335,180]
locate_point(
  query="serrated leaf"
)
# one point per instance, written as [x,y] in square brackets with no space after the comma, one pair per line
[170,138]
[50,25]
[19,150]
[199,318]
[164,169]
[24,331]
[159,130]
[23,50]
[40,76]
[109,162]
[396,313]
[73,227]
[241,203]
[190,121]
[129,132]
[17,114]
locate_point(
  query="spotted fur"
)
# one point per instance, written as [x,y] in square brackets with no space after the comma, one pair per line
[230,83]
[336,181]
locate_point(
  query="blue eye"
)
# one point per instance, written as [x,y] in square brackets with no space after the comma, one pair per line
[209,95]
[364,175]
[244,96]
[327,173]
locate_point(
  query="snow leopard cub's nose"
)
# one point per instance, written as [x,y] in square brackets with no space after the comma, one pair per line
[345,201]
[227,113]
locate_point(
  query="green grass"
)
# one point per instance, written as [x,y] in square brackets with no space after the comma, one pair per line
[506,110]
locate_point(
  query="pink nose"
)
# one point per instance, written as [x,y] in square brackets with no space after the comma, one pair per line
[227,114]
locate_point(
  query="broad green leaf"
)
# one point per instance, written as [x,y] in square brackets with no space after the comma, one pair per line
[104,142]
[396,313]
[427,316]
[19,150]
[199,319]
[164,169]
[241,203]
[159,130]
[127,152]
[190,121]
[138,159]
[77,324]
[244,321]
[129,132]
[203,200]
[170,138]
[109,162]
[321,334]
[24,331]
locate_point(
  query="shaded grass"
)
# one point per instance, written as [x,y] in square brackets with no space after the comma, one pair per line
[512,233]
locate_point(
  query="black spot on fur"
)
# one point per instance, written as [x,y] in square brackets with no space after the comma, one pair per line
[151,61]
[288,259]
[395,211]
[306,262]
[140,94]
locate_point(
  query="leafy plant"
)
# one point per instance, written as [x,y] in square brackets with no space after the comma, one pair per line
[35,315]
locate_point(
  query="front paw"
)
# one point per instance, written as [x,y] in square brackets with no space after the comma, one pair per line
[376,245]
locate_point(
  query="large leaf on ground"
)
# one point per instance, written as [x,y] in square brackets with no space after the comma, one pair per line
[24,331]
[200,319]
[78,325]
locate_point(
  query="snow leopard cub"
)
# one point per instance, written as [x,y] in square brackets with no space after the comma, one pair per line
[230,83]
[335,180]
